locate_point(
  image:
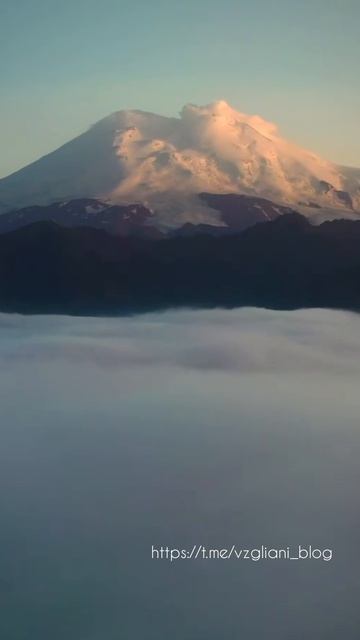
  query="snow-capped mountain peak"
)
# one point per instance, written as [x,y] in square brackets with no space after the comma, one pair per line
[134,156]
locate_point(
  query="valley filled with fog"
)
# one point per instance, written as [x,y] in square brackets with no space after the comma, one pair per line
[179,428]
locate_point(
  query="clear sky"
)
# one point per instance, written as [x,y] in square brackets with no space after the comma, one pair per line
[65,64]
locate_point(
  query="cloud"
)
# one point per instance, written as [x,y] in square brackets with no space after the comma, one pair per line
[243,341]
[213,427]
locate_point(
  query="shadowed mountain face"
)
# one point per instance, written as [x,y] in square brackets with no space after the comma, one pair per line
[239,212]
[82,167]
[286,263]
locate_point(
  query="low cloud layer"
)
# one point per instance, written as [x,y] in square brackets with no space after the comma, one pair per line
[243,341]
[182,428]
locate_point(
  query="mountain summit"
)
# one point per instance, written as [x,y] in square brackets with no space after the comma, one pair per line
[165,163]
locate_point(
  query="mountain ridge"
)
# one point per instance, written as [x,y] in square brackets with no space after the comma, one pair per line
[235,212]
[285,263]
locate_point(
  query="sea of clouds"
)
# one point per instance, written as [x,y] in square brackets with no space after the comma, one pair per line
[244,341]
[190,427]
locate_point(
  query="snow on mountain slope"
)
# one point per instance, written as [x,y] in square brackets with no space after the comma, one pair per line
[133,156]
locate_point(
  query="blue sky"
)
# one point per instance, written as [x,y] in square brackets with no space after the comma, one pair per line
[65,65]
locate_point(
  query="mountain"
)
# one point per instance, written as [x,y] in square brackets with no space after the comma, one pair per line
[285,263]
[235,213]
[121,220]
[165,164]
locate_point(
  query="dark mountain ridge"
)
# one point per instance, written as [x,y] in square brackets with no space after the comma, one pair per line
[286,263]
[236,213]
